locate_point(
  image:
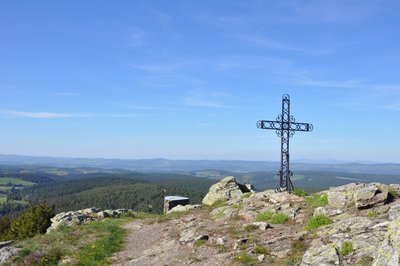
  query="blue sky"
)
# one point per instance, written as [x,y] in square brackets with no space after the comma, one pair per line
[190,79]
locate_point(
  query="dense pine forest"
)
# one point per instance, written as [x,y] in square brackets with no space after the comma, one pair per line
[74,189]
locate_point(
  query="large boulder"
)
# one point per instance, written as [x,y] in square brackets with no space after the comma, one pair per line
[225,190]
[82,217]
[321,255]
[7,252]
[358,195]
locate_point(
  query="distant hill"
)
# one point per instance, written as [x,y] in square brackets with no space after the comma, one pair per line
[165,165]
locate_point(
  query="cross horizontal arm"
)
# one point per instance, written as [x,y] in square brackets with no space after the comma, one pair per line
[278,125]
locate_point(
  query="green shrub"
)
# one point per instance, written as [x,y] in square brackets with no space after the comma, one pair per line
[347,248]
[317,221]
[316,200]
[300,192]
[235,206]
[34,220]
[264,216]
[279,218]
[245,259]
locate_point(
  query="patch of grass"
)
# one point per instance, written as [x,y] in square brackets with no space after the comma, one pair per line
[317,221]
[4,189]
[25,252]
[246,195]
[222,248]
[262,250]
[219,204]
[219,215]
[291,261]
[279,218]
[347,248]
[372,214]
[394,193]
[250,227]
[90,244]
[235,206]
[3,199]
[300,192]
[295,255]
[264,216]
[245,259]
[200,242]
[316,200]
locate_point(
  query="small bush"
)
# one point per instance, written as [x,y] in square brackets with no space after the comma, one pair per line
[347,248]
[317,221]
[300,192]
[264,216]
[245,259]
[279,218]
[235,206]
[316,200]
[262,250]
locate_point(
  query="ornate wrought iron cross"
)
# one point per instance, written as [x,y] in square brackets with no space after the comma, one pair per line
[285,126]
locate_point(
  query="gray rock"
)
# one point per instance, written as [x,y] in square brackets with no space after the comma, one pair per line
[6,253]
[394,212]
[327,211]
[82,217]
[6,243]
[321,255]
[260,258]
[359,195]
[388,252]
[221,241]
[225,190]
[180,208]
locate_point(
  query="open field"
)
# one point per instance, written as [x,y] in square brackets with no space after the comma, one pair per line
[15,181]
[4,189]
[2,199]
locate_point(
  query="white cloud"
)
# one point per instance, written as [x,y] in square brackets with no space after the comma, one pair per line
[38,115]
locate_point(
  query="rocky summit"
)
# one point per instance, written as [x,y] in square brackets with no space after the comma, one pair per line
[355,224]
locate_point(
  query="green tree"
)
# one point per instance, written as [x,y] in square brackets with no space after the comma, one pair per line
[34,220]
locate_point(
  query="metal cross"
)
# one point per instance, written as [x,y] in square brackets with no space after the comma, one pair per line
[285,126]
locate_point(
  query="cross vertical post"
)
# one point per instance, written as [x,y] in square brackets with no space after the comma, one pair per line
[285,126]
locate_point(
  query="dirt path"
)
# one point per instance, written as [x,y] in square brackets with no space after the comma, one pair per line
[157,244]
